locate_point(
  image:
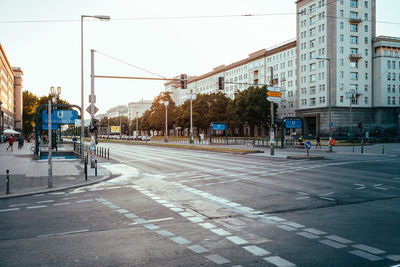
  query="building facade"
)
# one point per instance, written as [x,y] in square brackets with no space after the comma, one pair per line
[120,110]
[136,109]
[18,102]
[6,92]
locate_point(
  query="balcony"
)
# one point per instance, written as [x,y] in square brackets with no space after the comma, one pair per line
[355,20]
[355,56]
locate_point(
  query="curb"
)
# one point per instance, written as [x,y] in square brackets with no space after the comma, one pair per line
[108,176]
[305,157]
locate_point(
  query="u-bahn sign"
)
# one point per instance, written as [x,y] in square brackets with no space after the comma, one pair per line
[59,116]
[293,124]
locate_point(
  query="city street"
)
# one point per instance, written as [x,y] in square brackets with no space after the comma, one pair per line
[177,207]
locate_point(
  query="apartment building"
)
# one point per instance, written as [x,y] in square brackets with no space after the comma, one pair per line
[6,92]
[120,110]
[18,102]
[386,80]
[136,109]
[251,71]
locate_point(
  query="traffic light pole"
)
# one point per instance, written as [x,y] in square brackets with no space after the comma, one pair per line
[50,165]
[272,152]
[92,96]
[191,116]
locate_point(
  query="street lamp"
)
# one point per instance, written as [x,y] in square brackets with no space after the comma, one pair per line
[137,125]
[100,17]
[54,96]
[166,103]
[329,101]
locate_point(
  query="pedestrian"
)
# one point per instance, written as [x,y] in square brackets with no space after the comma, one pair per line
[10,142]
[318,142]
[20,142]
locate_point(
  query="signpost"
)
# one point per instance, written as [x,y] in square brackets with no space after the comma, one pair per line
[274,94]
[59,116]
[308,146]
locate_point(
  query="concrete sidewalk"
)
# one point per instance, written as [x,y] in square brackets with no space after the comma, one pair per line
[29,176]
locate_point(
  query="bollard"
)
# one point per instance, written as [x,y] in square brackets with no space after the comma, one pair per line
[95,167]
[8,182]
[108,153]
[383,149]
[85,169]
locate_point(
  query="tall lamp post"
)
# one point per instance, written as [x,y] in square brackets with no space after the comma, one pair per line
[101,17]
[54,96]
[329,101]
[137,125]
[166,103]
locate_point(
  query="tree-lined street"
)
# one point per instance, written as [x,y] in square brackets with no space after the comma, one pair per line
[174,207]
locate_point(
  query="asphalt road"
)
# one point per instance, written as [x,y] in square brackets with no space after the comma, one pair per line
[175,207]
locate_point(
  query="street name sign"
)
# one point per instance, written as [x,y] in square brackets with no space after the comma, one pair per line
[273,89]
[274,99]
[274,94]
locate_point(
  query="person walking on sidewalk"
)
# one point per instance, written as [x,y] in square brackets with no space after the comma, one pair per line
[20,142]
[10,142]
[318,142]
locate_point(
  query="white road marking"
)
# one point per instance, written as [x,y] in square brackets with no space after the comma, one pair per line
[38,195]
[314,231]
[217,259]
[377,184]
[360,188]
[185,214]
[293,224]
[326,194]
[160,220]
[360,184]
[397,178]
[308,235]
[393,257]
[332,243]
[176,209]
[278,261]
[37,207]
[256,251]
[57,193]
[61,204]
[207,225]
[84,200]
[300,198]
[369,249]
[327,198]
[122,211]
[365,255]
[302,193]
[220,232]
[164,233]
[65,233]
[17,205]
[381,188]
[286,227]
[9,209]
[180,240]
[339,239]
[195,219]
[237,240]
[198,249]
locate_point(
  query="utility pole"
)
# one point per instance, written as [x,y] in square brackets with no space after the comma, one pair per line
[137,125]
[50,166]
[92,96]
[272,129]
[191,116]
[120,125]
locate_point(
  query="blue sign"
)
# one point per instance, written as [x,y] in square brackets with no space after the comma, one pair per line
[292,124]
[219,127]
[59,116]
[308,145]
[46,126]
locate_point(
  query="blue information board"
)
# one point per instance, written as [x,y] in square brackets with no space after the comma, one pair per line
[45,126]
[60,117]
[292,124]
[218,126]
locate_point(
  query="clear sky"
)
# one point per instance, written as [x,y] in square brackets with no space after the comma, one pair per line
[49,52]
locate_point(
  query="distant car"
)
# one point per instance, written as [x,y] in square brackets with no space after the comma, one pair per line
[146,138]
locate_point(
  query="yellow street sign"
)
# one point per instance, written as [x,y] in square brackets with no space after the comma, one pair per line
[274,94]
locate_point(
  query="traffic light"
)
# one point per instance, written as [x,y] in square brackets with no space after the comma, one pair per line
[183,81]
[221,83]
[359,125]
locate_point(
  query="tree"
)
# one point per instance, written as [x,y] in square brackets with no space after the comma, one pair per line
[30,103]
[157,111]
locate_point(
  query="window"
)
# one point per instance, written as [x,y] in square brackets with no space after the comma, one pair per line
[388,100]
[353,28]
[341,99]
[388,88]
[366,16]
[312,43]
[354,15]
[393,64]
[354,63]
[312,8]
[365,40]
[312,66]
[341,38]
[313,20]
[366,64]
[312,78]
[341,13]
[341,50]
[366,88]
[366,52]
[341,87]
[341,2]
[342,25]
[393,100]
[388,64]
[341,74]
[353,50]
[341,62]
[354,39]
[366,28]
[393,88]
[366,76]
[354,76]
[393,76]
[353,87]
[312,101]
[353,3]
[366,4]
[366,100]
[312,32]
[312,90]
[312,54]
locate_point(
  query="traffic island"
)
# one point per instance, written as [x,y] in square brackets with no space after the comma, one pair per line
[310,157]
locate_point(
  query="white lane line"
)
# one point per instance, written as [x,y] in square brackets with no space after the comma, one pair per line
[207,225]
[180,240]
[217,259]
[237,240]
[397,178]
[164,233]
[314,231]
[308,235]
[9,209]
[17,205]
[176,209]
[286,227]
[293,224]
[327,198]
[300,198]
[84,200]
[45,201]
[365,255]
[198,249]
[195,219]
[369,249]
[278,261]
[326,194]
[57,193]
[185,214]
[160,220]
[339,239]
[332,243]
[381,188]
[360,184]
[65,233]
[37,207]
[220,232]
[360,188]
[393,257]
[256,251]
[122,211]
[61,204]
[377,184]
[302,193]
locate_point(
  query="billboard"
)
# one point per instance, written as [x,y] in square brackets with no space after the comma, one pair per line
[115,129]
